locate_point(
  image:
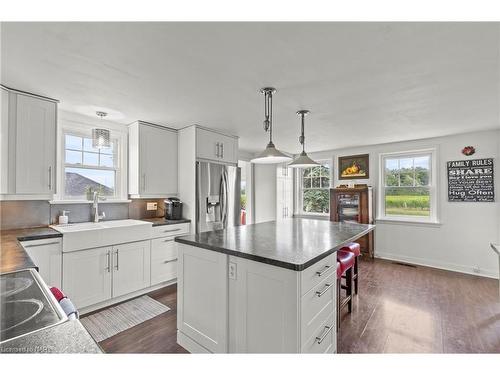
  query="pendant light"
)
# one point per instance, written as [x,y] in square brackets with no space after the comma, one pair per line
[271,155]
[302,161]
[101,137]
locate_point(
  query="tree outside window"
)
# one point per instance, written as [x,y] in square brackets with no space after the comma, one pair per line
[315,188]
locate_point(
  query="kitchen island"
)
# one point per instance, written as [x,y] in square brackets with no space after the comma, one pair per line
[261,288]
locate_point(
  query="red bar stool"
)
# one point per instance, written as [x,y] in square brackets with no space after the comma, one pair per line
[345,263]
[354,248]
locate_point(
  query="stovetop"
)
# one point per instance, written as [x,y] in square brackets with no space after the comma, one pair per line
[26,305]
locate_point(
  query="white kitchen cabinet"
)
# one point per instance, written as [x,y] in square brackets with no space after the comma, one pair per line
[284,192]
[131,267]
[87,276]
[215,146]
[202,275]
[47,255]
[152,161]
[29,171]
[263,308]
[266,309]
[163,260]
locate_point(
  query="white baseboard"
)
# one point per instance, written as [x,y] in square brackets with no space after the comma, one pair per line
[109,302]
[190,345]
[491,273]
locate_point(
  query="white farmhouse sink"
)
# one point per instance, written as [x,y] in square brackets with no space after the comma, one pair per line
[105,233]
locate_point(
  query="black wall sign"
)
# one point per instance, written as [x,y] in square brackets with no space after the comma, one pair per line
[471,181]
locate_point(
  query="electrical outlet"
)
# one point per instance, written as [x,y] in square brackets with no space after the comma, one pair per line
[232,271]
[152,206]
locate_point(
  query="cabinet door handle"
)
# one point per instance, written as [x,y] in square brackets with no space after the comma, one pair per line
[171,230]
[319,293]
[42,244]
[222,150]
[50,177]
[170,261]
[108,256]
[320,273]
[117,267]
[319,339]
[217,149]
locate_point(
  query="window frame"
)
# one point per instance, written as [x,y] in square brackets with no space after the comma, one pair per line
[300,190]
[433,217]
[118,136]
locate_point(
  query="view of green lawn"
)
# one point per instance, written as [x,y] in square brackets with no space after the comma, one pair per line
[414,205]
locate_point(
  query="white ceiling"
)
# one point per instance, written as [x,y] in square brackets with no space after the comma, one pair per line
[364,83]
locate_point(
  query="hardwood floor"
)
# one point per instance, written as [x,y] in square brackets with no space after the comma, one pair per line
[157,335]
[399,309]
[407,309]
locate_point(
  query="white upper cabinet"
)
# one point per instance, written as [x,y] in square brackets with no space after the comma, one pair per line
[215,146]
[29,134]
[152,161]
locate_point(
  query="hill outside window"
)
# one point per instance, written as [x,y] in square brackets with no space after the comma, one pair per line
[88,169]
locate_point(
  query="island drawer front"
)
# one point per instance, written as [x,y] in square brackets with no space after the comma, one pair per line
[317,273]
[315,309]
[324,339]
[170,230]
[163,260]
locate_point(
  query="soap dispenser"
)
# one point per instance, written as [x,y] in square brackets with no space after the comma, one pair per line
[63,219]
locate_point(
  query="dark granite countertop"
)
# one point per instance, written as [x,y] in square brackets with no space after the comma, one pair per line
[13,256]
[295,244]
[157,221]
[67,337]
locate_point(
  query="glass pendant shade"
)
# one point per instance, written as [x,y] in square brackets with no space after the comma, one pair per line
[100,138]
[302,161]
[271,155]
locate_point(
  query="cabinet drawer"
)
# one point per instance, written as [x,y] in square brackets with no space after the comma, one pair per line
[170,230]
[317,272]
[317,305]
[324,340]
[163,260]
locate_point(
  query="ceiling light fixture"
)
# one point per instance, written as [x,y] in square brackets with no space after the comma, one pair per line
[101,137]
[302,161]
[271,155]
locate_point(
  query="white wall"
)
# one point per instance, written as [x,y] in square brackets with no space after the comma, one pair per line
[461,241]
[264,192]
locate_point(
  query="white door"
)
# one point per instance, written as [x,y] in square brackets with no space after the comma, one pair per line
[163,260]
[131,267]
[35,145]
[158,161]
[263,308]
[47,255]
[87,276]
[202,297]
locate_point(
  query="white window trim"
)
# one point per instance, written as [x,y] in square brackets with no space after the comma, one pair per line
[298,191]
[433,188]
[80,128]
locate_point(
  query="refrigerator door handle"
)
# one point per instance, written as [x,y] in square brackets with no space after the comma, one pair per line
[224,199]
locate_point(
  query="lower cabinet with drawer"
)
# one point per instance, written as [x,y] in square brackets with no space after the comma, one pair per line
[268,309]
[163,260]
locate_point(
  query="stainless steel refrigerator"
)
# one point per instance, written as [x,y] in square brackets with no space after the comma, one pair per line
[218,190]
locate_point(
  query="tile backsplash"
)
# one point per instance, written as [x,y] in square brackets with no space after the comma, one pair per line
[26,214]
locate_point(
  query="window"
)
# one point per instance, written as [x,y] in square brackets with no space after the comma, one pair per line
[314,190]
[87,169]
[407,186]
